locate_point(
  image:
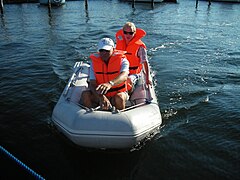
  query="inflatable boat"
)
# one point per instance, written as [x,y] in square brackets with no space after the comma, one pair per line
[113,129]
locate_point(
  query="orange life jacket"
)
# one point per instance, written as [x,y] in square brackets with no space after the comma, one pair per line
[132,49]
[107,72]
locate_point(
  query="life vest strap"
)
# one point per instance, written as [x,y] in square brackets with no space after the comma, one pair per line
[114,72]
[117,88]
[133,68]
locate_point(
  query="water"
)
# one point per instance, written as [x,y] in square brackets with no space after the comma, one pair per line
[195,56]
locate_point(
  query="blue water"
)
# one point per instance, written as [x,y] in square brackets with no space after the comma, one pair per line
[195,57]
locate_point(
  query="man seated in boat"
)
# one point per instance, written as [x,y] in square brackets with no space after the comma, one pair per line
[108,74]
[129,39]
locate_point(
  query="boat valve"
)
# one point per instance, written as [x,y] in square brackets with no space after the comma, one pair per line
[114,110]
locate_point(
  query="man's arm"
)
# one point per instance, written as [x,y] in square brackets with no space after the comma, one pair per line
[103,88]
[122,77]
[142,53]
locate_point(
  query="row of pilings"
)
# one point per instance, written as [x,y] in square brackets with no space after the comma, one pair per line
[86,4]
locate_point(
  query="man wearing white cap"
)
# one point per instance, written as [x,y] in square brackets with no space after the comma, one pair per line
[108,74]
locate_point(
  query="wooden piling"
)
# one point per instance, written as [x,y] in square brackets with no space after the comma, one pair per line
[49,6]
[196,4]
[152,3]
[209,2]
[1,6]
[86,4]
[133,3]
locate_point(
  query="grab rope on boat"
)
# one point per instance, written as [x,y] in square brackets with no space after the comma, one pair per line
[21,164]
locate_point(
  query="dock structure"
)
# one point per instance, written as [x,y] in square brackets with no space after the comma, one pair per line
[60,2]
[150,1]
[19,1]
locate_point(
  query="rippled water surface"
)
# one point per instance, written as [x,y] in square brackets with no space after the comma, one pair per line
[195,56]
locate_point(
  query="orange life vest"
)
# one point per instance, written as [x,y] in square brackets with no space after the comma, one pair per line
[132,49]
[107,72]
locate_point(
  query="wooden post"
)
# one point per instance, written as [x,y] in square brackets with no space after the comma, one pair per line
[152,3]
[49,6]
[1,6]
[196,4]
[86,4]
[133,3]
[209,2]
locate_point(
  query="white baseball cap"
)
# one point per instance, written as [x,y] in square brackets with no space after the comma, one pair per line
[105,43]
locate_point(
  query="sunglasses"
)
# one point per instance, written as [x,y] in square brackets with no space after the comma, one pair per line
[125,32]
[103,50]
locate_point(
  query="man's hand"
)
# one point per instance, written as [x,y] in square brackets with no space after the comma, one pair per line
[148,82]
[103,88]
[104,102]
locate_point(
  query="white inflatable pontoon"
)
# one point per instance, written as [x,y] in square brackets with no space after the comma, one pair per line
[113,129]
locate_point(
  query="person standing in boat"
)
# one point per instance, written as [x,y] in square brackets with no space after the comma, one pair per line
[108,75]
[129,39]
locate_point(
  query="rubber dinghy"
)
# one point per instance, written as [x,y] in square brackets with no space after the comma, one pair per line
[113,129]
